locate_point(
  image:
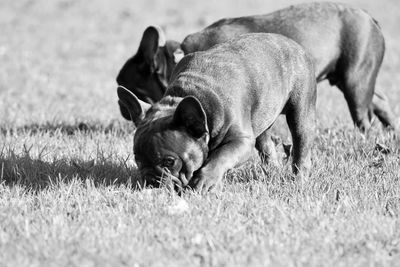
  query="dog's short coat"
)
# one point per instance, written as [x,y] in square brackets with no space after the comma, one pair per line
[220,104]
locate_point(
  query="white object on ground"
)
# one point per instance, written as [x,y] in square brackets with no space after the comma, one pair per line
[178,206]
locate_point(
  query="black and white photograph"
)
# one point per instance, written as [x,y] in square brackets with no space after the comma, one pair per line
[199,133]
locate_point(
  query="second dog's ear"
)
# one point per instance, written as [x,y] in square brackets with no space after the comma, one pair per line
[192,116]
[153,38]
[133,105]
[178,55]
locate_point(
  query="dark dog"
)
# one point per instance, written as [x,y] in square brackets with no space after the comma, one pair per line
[346,44]
[219,105]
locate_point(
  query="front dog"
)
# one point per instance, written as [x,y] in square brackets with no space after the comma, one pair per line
[219,105]
[346,44]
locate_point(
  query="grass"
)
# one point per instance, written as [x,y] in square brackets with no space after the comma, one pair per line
[68,182]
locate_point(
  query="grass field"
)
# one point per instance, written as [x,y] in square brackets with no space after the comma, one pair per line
[67,175]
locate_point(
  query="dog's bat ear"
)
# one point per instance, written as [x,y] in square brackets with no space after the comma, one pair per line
[192,116]
[124,111]
[132,108]
[153,38]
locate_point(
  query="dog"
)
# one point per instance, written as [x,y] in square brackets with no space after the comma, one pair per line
[219,105]
[346,44]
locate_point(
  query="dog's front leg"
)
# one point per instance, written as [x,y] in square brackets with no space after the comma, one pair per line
[229,155]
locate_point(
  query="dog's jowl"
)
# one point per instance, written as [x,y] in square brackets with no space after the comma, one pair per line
[219,105]
[346,44]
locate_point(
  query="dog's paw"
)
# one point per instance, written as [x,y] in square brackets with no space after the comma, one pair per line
[205,181]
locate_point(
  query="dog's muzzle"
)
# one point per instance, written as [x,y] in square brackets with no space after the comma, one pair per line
[165,178]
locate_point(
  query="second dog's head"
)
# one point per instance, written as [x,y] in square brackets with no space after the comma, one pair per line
[147,72]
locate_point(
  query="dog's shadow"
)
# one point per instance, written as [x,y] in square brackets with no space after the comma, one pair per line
[116,126]
[36,173]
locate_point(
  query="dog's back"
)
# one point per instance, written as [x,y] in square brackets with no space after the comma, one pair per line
[318,27]
[250,76]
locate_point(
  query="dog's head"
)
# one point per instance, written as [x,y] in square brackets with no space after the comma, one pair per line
[146,73]
[171,140]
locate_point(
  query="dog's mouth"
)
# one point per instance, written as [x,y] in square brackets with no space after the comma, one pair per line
[170,180]
[165,179]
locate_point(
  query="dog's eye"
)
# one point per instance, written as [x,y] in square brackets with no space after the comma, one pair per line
[168,162]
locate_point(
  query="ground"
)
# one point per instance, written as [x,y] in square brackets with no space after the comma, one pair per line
[67,175]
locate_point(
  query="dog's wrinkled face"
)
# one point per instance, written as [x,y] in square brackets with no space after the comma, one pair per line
[163,153]
[171,139]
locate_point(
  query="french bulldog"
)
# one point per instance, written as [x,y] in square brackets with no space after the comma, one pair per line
[219,105]
[346,44]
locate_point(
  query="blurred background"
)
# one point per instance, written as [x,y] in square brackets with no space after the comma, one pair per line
[59,58]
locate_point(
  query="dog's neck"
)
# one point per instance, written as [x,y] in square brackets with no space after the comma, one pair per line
[164,108]
[161,113]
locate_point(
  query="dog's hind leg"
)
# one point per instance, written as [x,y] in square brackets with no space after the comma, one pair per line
[383,111]
[302,130]
[266,148]
[300,116]
[357,71]
[358,96]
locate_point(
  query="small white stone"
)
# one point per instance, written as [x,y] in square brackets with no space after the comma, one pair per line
[3,50]
[197,239]
[179,206]
[147,192]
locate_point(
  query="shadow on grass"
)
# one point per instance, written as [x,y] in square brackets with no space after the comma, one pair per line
[37,174]
[117,127]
